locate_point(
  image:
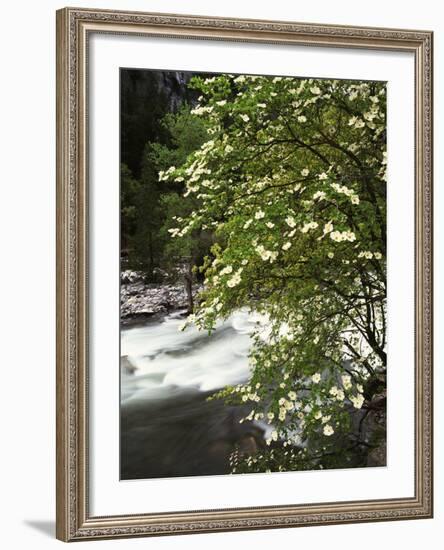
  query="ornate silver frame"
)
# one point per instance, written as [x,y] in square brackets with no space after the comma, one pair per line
[74,521]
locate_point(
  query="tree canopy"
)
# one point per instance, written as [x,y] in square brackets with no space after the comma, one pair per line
[291,183]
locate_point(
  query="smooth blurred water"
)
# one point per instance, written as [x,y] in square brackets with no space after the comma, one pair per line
[167,359]
[168,427]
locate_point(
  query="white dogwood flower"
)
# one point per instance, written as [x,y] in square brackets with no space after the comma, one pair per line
[289,220]
[328,430]
[357,400]
[346,381]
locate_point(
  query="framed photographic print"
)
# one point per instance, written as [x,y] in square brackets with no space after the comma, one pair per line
[244,276]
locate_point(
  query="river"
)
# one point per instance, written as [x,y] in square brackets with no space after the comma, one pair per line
[168,427]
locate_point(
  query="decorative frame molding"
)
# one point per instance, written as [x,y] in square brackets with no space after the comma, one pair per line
[73,519]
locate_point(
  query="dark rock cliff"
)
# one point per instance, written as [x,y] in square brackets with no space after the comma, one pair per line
[145,97]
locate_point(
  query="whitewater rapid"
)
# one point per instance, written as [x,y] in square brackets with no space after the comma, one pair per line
[167,360]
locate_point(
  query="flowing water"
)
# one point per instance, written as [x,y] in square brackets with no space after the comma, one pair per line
[168,427]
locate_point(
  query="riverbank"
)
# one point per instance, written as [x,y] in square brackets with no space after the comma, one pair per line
[141,302]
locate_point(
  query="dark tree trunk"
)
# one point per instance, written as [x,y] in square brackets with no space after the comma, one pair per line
[151,255]
[189,288]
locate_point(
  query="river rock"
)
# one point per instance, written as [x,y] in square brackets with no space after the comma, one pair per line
[127,367]
[141,301]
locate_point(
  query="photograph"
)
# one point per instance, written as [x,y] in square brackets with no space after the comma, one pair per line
[244,273]
[253,318]
[221,227]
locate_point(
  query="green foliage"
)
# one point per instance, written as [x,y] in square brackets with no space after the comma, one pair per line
[148,205]
[186,134]
[193,247]
[130,188]
[147,243]
[292,183]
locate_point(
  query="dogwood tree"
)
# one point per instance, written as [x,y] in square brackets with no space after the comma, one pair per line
[292,182]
